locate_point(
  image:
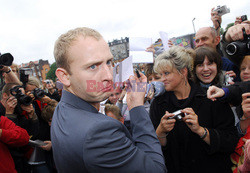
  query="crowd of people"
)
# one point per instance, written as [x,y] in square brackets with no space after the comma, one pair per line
[189,111]
[26,115]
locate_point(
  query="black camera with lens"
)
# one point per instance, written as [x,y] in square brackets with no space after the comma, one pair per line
[38,93]
[6,59]
[243,18]
[241,48]
[178,115]
[24,75]
[21,98]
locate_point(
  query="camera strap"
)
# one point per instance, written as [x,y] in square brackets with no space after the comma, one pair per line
[219,25]
[244,33]
[2,83]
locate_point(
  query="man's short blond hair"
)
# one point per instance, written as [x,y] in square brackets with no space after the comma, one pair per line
[65,41]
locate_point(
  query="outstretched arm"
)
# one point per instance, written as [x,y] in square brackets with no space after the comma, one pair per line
[10,76]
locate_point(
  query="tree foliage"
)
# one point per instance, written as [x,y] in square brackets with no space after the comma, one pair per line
[51,74]
[221,31]
[229,25]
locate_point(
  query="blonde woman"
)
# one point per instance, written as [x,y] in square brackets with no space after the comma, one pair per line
[203,137]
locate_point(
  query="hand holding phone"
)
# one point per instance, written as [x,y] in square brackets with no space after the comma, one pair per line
[137,73]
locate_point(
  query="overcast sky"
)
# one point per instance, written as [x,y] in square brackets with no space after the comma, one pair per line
[29,28]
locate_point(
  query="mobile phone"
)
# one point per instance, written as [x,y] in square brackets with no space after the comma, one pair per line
[137,73]
[243,18]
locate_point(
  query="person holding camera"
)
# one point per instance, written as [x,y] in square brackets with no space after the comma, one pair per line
[216,19]
[236,42]
[14,67]
[11,135]
[233,95]
[52,91]
[202,135]
[40,100]
[6,73]
[22,114]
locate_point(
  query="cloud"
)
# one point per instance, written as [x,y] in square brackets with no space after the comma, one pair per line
[30,28]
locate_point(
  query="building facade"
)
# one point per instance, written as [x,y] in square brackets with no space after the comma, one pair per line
[38,68]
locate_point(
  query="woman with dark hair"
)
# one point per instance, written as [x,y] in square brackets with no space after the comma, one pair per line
[202,138]
[207,67]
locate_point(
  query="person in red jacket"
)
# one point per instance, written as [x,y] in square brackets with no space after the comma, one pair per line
[10,135]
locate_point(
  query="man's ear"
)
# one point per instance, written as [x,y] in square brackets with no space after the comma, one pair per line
[63,76]
[217,40]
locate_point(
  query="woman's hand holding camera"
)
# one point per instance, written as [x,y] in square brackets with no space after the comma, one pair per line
[166,125]
[191,119]
[31,95]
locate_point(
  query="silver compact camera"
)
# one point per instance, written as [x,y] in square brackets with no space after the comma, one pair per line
[178,115]
[47,81]
[222,10]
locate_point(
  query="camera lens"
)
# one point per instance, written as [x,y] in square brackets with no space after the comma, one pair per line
[231,49]
[25,100]
[6,59]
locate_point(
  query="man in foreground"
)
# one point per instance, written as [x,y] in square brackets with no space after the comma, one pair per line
[84,140]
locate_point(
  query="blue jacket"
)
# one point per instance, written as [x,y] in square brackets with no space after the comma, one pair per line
[84,140]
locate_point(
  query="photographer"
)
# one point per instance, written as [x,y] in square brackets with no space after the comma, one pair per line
[10,134]
[23,115]
[216,19]
[52,91]
[40,100]
[19,112]
[239,35]
[6,73]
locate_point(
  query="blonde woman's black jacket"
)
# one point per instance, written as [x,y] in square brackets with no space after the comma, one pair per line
[186,151]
